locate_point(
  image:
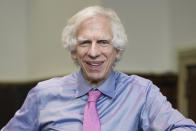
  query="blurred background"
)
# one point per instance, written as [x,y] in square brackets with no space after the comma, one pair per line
[161,47]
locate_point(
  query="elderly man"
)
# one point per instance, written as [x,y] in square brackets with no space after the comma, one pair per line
[97,98]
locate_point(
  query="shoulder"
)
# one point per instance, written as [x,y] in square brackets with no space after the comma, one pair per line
[134,83]
[53,90]
[56,84]
[122,78]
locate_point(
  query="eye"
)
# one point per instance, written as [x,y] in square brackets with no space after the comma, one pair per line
[84,43]
[103,42]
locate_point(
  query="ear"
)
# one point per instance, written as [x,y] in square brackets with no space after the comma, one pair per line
[73,55]
[118,52]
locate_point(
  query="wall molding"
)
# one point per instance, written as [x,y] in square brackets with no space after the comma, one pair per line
[186,58]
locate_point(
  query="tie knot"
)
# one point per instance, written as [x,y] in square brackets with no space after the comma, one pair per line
[94,95]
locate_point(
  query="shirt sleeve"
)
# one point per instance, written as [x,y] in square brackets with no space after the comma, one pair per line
[27,117]
[158,114]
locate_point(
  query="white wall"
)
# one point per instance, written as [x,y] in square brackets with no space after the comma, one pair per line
[30,33]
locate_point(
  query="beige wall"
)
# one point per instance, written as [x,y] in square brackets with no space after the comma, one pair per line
[147,24]
[13,39]
[30,33]
[47,19]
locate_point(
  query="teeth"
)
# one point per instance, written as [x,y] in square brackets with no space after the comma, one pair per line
[94,64]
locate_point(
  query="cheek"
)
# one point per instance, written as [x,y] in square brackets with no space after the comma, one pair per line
[111,58]
[81,57]
[80,53]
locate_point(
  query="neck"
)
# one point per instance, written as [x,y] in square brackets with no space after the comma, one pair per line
[95,83]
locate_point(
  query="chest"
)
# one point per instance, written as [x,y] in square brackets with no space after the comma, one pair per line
[121,113]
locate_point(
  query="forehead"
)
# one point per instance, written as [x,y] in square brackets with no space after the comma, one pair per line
[95,26]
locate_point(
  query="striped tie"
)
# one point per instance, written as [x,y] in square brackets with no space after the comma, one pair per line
[91,119]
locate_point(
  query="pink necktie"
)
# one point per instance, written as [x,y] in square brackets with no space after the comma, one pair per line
[91,119]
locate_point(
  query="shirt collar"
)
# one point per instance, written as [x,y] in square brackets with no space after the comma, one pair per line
[107,87]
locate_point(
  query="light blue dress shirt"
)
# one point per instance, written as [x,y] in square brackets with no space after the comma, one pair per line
[128,103]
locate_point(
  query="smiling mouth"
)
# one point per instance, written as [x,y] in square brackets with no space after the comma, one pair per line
[94,64]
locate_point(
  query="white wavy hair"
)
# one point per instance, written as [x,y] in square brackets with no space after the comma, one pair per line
[119,37]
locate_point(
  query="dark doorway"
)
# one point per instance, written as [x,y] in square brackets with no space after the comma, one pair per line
[191,91]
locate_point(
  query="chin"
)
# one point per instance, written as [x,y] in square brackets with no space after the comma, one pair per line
[96,77]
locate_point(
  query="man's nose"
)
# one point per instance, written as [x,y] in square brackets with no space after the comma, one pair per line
[93,50]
